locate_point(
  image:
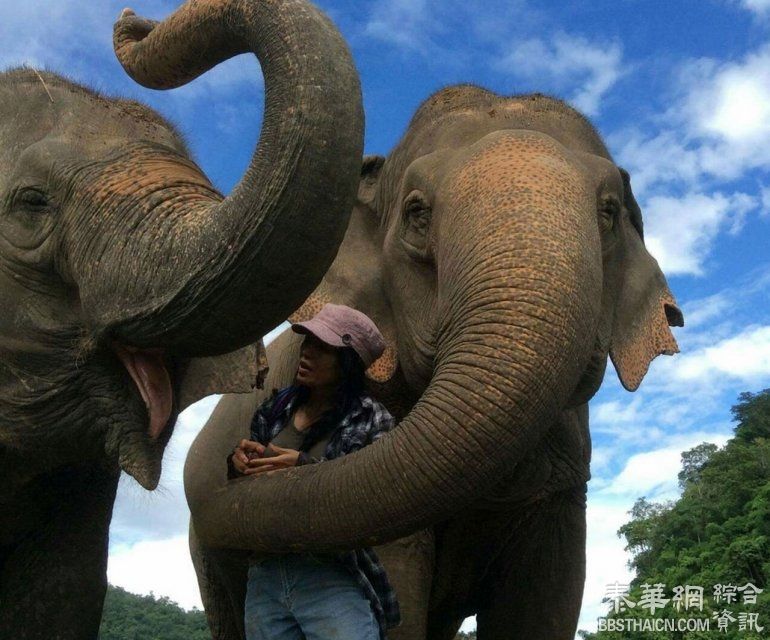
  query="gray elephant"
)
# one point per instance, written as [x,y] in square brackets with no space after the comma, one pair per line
[124,274]
[500,250]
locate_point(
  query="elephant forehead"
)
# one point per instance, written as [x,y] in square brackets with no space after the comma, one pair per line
[452,127]
[513,167]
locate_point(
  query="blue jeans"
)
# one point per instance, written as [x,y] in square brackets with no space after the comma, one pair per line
[302,597]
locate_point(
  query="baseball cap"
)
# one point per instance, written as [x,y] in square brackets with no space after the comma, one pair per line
[341,326]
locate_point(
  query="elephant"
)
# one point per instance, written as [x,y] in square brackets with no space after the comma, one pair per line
[500,250]
[125,275]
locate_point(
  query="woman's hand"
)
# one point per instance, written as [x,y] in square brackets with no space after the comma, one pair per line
[277,458]
[244,452]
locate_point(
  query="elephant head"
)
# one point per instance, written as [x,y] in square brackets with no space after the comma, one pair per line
[121,265]
[500,250]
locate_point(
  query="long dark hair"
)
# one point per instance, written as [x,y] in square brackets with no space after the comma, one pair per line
[346,396]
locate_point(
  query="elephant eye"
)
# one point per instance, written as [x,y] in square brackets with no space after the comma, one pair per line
[416,225]
[32,199]
[609,210]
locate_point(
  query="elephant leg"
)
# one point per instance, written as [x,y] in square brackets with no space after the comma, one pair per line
[443,627]
[409,564]
[222,581]
[64,561]
[536,588]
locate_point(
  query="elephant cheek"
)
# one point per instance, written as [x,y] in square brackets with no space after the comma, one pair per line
[649,336]
[592,378]
[127,440]
[139,460]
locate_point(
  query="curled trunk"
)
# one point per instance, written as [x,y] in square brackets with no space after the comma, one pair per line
[223,272]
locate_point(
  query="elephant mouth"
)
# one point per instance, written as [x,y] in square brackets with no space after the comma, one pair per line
[148,369]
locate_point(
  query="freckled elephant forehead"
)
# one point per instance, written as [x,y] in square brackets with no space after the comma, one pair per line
[520,166]
[461,126]
[34,108]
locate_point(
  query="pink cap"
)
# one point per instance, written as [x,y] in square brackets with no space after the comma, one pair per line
[342,326]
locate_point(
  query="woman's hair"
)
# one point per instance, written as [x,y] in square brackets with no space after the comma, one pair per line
[350,388]
[352,378]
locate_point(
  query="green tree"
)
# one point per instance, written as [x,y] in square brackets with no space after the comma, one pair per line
[753,416]
[128,616]
[693,462]
[717,533]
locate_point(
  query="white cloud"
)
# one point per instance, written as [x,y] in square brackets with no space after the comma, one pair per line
[727,109]
[159,566]
[652,161]
[744,357]
[605,558]
[741,110]
[401,22]
[760,7]
[615,412]
[654,473]
[680,231]
[568,61]
[699,312]
[468,625]
[28,37]
[716,130]
[67,36]
[717,127]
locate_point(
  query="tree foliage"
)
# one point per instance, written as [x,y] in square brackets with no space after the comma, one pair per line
[716,533]
[128,616]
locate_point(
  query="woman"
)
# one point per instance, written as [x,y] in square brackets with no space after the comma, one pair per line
[324,415]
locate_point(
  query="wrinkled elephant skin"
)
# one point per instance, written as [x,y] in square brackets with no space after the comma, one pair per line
[500,250]
[130,287]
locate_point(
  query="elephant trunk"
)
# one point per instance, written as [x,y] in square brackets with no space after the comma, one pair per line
[521,300]
[189,271]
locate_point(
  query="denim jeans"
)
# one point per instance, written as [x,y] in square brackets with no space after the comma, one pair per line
[303,597]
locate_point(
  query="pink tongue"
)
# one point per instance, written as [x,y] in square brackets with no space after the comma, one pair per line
[149,373]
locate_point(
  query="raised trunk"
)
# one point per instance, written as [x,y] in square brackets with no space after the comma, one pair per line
[521,311]
[203,276]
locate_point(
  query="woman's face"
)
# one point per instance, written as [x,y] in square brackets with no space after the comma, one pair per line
[318,364]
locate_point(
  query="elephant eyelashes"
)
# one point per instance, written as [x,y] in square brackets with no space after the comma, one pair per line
[609,210]
[417,218]
[32,200]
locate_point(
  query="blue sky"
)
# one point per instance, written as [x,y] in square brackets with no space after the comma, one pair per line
[679,90]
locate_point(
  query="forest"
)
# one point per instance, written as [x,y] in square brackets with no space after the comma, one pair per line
[128,616]
[705,556]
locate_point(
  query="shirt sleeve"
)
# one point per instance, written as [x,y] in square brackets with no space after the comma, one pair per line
[381,421]
[364,428]
[260,417]
[372,426]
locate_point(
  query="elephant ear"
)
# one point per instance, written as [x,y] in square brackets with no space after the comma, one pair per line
[645,307]
[355,278]
[367,185]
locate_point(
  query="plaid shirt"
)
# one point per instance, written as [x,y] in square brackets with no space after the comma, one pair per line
[365,423]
